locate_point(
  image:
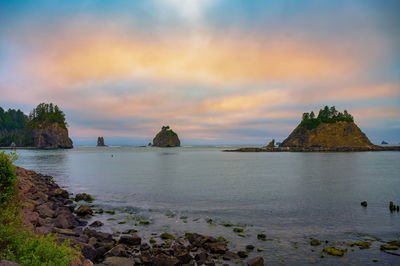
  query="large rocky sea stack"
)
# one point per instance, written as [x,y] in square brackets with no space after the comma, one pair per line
[166,138]
[329,129]
[51,136]
[44,128]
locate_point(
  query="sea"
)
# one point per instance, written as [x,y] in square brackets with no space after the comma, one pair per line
[291,197]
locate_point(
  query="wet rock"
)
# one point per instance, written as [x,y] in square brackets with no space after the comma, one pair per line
[96,224]
[166,236]
[61,192]
[84,210]
[64,220]
[334,251]
[364,203]
[257,261]
[184,257]
[130,231]
[218,248]
[389,247]
[100,142]
[242,254]
[88,251]
[119,250]
[395,243]
[195,239]
[261,237]
[363,244]
[229,255]
[165,260]
[144,246]
[84,197]
[67,232]
[250,247]
[99,236]
[238,230]
[130,240]
[118,261]
[315,242]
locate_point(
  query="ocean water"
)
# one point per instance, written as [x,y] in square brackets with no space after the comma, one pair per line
[290,197]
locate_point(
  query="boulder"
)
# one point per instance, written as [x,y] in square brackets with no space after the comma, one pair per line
[257,261]
[130,240]
[84,210]
[84,197]
[96,224]
[166,138]
[271,144]
[118,261]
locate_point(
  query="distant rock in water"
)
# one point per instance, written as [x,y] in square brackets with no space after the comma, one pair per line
[384,142]
[100,142]
[271,144]
[166,138]
[331,129]
[51,136]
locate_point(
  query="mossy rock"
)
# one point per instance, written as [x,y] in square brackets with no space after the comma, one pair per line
[84,197]
[144,222]
[363,244]
[228,224]
[334,251]
[315,242]
[395,243]
[221,239]
[389,247]
[262,237]
[166,236]
[110,212]
[241,235]
[209,221]
[130,231]
[122,222]
[152,241]
[238,230]
[261,249]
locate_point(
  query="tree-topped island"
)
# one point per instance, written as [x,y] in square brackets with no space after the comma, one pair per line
[44,128]
[166,138]
[331,130]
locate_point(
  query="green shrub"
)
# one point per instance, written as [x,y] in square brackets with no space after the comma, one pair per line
[7,177]
[16,243]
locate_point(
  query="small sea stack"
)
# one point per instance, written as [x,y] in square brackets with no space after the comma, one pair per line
[100,142]
[166,138]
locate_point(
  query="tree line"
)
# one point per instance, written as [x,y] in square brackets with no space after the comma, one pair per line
[15,125]
[326,115]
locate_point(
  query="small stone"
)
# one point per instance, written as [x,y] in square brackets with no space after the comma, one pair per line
[315,242]
[238,230]
[250,247]
[364,204]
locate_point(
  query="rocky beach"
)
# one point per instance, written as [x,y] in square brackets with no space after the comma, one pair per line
[47,208]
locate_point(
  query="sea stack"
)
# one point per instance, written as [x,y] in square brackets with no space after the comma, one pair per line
[166,138]
[100,142]
[51,136]
[330,129]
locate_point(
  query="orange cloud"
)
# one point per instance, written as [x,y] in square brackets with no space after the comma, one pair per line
[201,58]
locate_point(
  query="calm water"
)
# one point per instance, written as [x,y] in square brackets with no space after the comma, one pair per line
[288,196]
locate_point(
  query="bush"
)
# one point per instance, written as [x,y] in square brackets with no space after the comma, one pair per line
[7,177]
[16,243]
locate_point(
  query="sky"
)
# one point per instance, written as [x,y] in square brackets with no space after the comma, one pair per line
[215,71]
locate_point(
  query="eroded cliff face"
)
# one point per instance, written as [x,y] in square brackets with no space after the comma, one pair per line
[166,138]
[328,135]
[51,136]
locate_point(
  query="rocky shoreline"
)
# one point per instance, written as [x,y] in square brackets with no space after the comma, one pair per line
[47,208]
[316,149]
